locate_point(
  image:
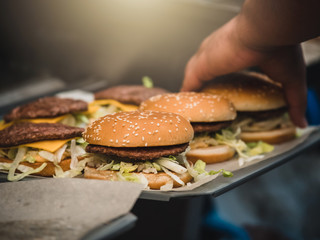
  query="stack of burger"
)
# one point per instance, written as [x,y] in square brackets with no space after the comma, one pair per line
[141,146]
[33,139]
[260,103]
[44,149]
[50,110]
[210,116]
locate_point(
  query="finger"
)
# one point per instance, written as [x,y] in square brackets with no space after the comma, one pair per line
[296,95]
[287,67]
[192,80]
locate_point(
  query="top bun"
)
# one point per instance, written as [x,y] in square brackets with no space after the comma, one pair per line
[139,129]
[248,91]
[196,107]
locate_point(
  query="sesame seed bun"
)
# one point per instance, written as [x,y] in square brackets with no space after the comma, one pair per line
[248,91]
[139,129]
[275,136]
[196,107]
[219,153]
[155,180]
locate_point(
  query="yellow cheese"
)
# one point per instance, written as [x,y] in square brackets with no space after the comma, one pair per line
[123,107]
[92,108]
[46,120]
[4,125]
[49,145]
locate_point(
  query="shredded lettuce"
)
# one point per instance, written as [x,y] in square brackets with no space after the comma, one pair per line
[15,164]
[257,148]
[104,110]
[47,155]
[173,176]
[81,118]
[246,152]
[69,120]
[59,153]
[147,82]
[156,166]
[172,165]
[75,171]
[230,138]
[81,142]
[127,167]
[224,173]
[29,159]
[167,186]
[105,166]
[12,153]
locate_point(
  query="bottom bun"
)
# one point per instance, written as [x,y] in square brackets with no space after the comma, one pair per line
[213,154]
[48,171]
[273,136]
[155,180]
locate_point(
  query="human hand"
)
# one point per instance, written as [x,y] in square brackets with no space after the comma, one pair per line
[224,52]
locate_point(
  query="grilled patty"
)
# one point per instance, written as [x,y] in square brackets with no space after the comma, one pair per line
[46,107]
[199,127]
[138,153]
[262,115]
[27,132]
[130,94]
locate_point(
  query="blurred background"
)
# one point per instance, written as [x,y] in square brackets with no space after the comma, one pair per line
[51,46]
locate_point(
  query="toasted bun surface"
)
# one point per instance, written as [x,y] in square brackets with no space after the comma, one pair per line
[213,154]
[196,107]
[48,171]
[155,180]
[248,91]
[273,136]
[139,129]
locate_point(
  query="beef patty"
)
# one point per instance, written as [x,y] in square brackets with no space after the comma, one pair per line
[138,153]
[27,132]
[199,127]
[46,107]
[263,115]
[130,94]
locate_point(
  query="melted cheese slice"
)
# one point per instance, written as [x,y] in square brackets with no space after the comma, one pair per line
[92,108]
[123,107]
[49,145]
[4,125]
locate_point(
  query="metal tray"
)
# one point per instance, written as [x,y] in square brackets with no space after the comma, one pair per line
[221,185]
[112,229]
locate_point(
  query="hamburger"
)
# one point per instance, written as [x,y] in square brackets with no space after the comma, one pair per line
[209,115]
[140,146]
[260,104]
[50,110]
[123,98]
[42,149]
